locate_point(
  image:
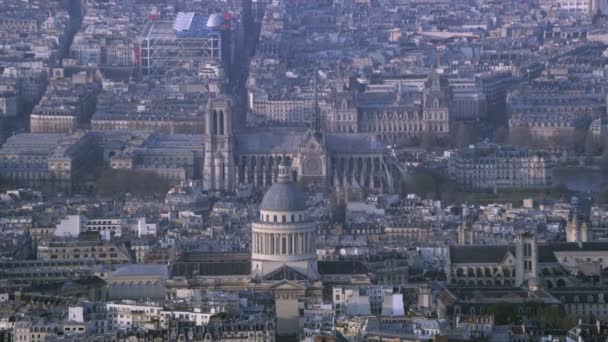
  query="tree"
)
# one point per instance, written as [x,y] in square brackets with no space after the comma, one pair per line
[501,135]
[590,146]
[504,313]
[603,197]
[555,318]
[117,183]
[563,141]
[428,140]
[338,206]
[464,135]
[520,136]
[579,137]
[423,183]
[604,160]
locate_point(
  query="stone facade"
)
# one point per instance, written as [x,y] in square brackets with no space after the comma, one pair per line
[490,166]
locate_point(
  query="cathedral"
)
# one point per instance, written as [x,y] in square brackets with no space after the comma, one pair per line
[319,160]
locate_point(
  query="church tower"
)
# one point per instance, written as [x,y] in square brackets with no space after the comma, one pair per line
[284,238]
[218,166]
[526,258]
[465,233]
[576,229]
[436,99]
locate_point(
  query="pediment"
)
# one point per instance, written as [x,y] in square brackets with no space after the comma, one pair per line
[508,259]
[312,143]
[285,273]
[287,285]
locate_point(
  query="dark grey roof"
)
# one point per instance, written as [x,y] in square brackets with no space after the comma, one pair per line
[355,143]
[479,254]
[284,197]
[269,140]
[495,253]
[289,140]
[212,264]
[341,267]
[142,270]
[546,252]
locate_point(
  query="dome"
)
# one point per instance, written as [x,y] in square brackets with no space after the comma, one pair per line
[284,195]
[214,21]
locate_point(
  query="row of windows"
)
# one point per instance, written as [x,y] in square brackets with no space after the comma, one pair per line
[282,218]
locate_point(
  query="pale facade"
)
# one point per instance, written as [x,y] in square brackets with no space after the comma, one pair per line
[490,166]
[284,235]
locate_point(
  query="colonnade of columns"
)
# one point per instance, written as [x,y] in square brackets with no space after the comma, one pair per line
[283,243]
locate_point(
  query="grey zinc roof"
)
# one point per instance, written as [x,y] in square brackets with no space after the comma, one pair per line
[479,254]
[142,270]
[355,143]
[284,140]
[284,197]
[270,140]
[546,252]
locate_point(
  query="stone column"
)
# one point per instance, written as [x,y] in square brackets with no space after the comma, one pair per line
[254,242]
[272,244]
